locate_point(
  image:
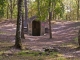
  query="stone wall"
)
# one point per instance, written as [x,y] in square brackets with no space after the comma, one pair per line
[30,28]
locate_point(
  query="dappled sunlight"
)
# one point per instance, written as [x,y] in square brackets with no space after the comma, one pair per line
[69,56]
[32,39]
[11,29]
[71,45]
[77,52]
[58,41]
[63,38]
[59,27]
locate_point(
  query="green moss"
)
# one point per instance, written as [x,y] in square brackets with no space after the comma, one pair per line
[38,55]
[76,39]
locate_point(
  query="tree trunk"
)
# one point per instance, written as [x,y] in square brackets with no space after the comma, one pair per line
[78,10]
[22,31]
[38,5]
[11,9]
[18,43]
[50,31]
[79,38]
[50,17]
[7,11]
[54,17]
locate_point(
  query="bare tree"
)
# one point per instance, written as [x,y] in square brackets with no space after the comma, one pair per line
[12,4]
[22,30]
[7,9]
[18,43]
[78,19]
[50,17]
[77,9]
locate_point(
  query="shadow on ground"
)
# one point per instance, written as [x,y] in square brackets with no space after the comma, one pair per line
[64,34]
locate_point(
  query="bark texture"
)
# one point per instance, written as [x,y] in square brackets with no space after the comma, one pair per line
[50,18]
[18,43]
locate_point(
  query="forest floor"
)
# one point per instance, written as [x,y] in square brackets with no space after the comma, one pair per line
[64,41]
